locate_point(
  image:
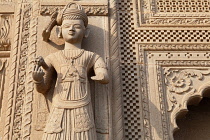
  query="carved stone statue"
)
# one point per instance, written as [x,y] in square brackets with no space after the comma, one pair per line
[71,116]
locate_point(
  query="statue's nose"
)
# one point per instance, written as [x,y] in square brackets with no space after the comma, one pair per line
[71,28]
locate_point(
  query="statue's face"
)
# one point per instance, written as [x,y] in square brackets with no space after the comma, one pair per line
[73,31]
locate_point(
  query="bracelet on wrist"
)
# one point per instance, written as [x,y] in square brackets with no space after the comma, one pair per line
[38,82]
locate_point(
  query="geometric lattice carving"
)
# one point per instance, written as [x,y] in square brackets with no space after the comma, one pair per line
[133,123]
[172,36]
[183,6]
[133,34]
[161,13]
[131,103]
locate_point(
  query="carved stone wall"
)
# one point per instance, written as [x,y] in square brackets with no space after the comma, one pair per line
[24,111]
[157,53]
[164,61]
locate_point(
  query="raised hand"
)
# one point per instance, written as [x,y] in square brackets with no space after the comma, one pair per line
[39,61]
[38,74]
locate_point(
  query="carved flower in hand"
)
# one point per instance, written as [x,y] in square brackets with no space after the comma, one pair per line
[179,84]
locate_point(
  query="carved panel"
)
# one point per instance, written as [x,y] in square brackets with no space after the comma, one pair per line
[180,81]
[90,9]
[175,75]
[169,13]
[5,32]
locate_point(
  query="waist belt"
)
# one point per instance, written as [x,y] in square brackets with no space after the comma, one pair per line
[70,104]
[72,79]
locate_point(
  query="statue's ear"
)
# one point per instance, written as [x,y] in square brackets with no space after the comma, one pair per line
[59,32]
[87,32]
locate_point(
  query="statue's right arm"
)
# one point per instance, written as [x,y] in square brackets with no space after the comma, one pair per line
[43,77]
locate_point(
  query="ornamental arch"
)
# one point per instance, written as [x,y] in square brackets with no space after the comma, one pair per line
[194,123]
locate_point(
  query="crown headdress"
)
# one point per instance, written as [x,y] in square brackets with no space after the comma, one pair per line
[72,11]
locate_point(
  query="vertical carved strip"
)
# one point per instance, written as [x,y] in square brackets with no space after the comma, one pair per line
[144,93]
[22,65]
[3,66]
[8,120]
[27,106]
[162,102]
[118,130]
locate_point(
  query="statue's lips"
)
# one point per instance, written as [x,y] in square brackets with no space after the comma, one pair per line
[71,32]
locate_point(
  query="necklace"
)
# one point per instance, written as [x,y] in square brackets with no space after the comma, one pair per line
[72,58]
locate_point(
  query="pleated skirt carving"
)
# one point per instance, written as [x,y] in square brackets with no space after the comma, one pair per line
[75,124]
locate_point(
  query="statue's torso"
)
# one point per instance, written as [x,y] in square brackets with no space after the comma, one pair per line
[72,80]
[71,99]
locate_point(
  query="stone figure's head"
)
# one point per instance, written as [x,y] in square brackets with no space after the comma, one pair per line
[73,21]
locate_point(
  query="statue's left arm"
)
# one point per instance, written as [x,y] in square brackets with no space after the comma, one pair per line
[101,73]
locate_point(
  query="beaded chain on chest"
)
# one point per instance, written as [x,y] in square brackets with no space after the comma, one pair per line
[73,58]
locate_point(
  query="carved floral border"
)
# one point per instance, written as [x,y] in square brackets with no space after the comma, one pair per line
[90,9]
[147,15]
[144,52]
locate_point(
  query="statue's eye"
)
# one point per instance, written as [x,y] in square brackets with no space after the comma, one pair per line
[77,26]
[66,26]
